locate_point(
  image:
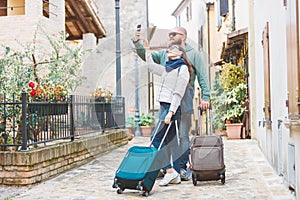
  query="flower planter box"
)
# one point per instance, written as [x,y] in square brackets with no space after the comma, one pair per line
[103,107]
[48,109]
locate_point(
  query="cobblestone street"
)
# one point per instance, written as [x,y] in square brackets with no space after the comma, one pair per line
[248,176]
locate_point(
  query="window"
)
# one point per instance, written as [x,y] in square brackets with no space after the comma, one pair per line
[9,8]
[46,8]
[178,21]
[266,56]
[3,8]
[223,7]
[218,17]
[189,12]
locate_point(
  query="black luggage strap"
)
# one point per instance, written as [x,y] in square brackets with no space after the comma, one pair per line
[200,131]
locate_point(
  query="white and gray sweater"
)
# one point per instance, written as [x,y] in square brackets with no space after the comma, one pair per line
[173,83]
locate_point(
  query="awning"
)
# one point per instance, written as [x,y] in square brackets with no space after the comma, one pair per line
[236,46]
[81,18]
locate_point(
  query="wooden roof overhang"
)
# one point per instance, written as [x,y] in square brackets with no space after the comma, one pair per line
[236,46]
[81,18]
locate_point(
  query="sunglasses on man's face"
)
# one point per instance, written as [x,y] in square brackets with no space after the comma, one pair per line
[173,34]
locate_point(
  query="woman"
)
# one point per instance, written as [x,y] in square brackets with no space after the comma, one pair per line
[175,77]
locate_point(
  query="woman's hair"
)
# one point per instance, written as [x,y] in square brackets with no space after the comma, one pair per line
[184,56]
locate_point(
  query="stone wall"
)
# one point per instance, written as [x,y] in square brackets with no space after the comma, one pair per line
[36,165]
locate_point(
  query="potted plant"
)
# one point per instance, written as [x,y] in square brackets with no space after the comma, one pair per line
[102,97]
[146,124]
[48,93]
[231,99]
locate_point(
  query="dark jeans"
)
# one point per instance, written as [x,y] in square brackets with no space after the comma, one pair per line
[185,126]
[170,147]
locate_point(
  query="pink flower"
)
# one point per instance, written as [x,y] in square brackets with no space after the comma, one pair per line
[31,84]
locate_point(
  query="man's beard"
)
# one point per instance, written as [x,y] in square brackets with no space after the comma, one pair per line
[178,42]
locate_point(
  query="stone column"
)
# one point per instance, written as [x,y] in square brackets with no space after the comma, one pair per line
[34,8]
[89,41]
[57,13]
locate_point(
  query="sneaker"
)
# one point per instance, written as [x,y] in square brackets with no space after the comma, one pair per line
[184,174]
[176,180]
[168,178]
[189,173]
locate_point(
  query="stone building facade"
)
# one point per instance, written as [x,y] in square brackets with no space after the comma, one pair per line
[100,65]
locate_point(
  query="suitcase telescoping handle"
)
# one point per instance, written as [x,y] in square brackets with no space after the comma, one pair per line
[200,131]
[165,135]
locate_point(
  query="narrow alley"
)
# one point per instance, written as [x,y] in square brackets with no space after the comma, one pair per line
[248,176]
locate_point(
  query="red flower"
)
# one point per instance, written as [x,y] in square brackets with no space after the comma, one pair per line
[31,84]
[33,92]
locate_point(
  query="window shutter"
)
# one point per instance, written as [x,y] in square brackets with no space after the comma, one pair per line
[266,51]
[293,65]
[3,4]
[223,8]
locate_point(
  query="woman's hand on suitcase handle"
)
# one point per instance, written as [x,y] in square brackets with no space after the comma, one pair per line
[168,117]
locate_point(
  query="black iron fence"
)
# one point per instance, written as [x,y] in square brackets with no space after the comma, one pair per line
[25,124]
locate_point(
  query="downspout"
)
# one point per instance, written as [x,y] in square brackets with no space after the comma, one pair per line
[233,16]
[208,41]
[150,84]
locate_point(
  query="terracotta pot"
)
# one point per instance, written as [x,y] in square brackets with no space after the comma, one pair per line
[234,130]
[146,130]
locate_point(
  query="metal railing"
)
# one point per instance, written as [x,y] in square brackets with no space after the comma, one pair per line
[25,124]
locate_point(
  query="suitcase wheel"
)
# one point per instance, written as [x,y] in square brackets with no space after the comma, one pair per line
[222,177]
[140,186]
[194,178]
[120,190]
[145,193]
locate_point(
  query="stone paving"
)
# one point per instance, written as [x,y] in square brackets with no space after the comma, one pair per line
[248,176]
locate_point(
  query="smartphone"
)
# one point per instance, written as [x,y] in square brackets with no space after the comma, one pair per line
[138,27]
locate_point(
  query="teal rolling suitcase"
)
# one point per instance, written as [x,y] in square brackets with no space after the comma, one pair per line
[140,167]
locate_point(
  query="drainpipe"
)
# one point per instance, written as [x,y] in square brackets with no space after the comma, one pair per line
[118,49]
[233,15]
[208,41]
[150,84]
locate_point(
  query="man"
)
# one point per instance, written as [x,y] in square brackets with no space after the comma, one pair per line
[178,36]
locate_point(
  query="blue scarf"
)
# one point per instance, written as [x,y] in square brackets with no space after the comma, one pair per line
[174,64]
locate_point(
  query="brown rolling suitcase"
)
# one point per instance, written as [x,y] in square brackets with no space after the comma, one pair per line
[206,155]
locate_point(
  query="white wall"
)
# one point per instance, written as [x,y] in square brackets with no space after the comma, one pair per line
[241,13]
[268,138]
